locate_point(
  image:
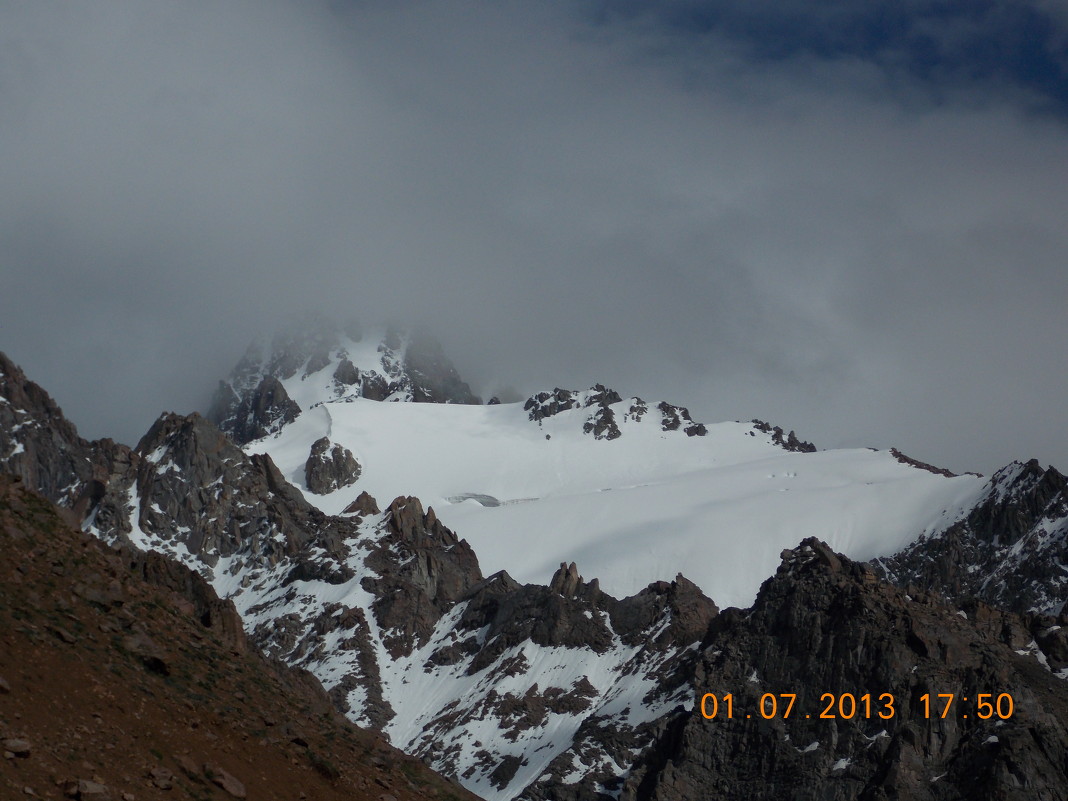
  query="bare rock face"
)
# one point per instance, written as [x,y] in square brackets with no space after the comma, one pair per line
[188,486]
[39,444]
[330,467]
[424,569]
[676,417]
[365,505]
[602,423]
[824,627]
[547,404]
[346,373]
[257,414]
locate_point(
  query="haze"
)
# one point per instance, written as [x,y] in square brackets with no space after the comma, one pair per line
[850,227]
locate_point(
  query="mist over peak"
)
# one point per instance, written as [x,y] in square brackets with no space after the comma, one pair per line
[866,254]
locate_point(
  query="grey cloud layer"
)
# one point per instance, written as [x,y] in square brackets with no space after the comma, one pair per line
[563,203]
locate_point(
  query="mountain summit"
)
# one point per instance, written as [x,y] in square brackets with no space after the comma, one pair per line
[400,365]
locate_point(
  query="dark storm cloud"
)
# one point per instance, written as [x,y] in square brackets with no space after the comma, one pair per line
[563,200]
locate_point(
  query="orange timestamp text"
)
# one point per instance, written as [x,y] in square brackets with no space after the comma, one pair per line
[846,706]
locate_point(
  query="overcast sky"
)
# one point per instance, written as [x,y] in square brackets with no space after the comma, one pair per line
[846,218]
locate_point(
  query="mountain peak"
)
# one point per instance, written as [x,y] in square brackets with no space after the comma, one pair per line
[318,361]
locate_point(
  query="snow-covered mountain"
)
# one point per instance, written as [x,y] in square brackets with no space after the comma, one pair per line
[328,517]
[631,491]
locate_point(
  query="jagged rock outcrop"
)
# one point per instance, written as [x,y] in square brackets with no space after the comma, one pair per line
[566,653]
[424,569]
[675,417]
[330,467]
[602,423]
[189,487]
[547,404]
[788,442]
[365,505]
[823,627]
[39,444]
[259,413]
[607,411]
[1009,550]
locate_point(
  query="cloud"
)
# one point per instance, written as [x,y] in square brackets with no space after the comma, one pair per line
[564,199]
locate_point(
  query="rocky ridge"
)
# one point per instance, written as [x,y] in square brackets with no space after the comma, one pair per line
[788,442]
[826,625]
[1010,550]
[41,446]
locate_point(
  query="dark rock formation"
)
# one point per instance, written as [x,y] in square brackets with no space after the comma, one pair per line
[675,417]
[196,489]
[364,506]
[930,468]
[824,627]
[788,442]
[547,404]
[258,414]
[346,373]
[602,422]
[39,444]
[330,468]
[637,410]
[424,569]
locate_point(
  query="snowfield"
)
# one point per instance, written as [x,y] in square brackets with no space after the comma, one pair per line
[644,507]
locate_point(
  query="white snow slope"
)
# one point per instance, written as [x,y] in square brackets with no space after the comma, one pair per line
[643,507]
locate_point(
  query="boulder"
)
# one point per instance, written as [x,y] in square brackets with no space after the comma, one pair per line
[330,467]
